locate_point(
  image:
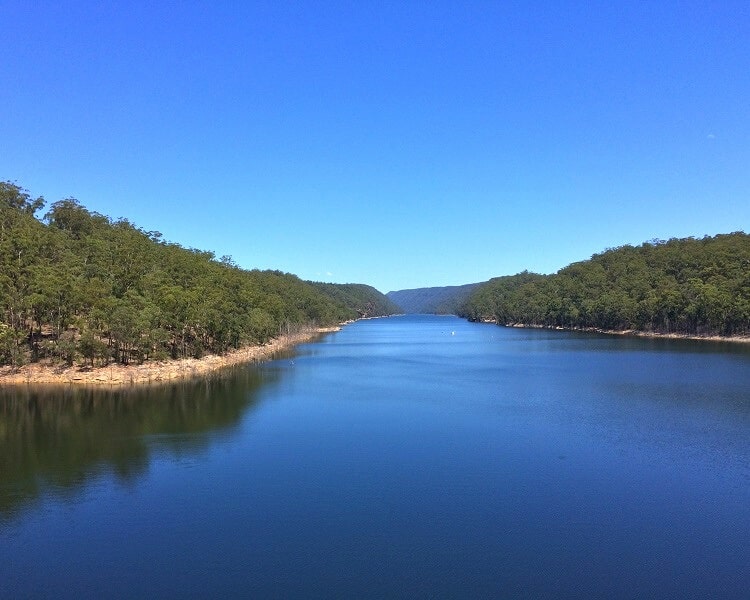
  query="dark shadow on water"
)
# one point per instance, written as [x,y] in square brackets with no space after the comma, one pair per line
[56,440]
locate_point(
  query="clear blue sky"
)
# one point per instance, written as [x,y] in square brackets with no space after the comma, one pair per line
[400,144]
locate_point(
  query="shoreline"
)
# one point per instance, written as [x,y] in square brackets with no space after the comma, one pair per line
[736,339]
[154,373]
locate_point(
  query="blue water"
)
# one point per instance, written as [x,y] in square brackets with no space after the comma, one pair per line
[402,457]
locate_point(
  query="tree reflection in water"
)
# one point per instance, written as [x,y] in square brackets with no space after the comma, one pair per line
[55,440]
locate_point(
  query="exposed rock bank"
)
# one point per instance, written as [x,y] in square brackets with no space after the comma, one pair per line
[631,332]
[153,372]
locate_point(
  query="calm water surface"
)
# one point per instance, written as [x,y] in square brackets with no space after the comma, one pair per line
[402,457]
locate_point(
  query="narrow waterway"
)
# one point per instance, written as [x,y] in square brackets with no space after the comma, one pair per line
[404,457]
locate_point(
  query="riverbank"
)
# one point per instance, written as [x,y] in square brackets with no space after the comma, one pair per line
[154,372]
[742,339]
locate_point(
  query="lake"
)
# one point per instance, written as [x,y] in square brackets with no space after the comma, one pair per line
[410,457]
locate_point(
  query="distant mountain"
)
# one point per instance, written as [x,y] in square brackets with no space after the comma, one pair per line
[438,300]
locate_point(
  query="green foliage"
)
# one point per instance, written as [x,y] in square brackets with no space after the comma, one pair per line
[688,286]
[14,197]
[361,300]
[79,286]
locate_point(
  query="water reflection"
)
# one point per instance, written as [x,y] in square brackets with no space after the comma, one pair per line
[53,441]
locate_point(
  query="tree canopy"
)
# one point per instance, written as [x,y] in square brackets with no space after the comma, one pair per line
[687,286]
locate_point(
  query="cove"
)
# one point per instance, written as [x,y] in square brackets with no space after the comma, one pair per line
[413,456]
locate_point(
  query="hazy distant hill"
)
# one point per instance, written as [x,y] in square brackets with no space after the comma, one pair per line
[439,300]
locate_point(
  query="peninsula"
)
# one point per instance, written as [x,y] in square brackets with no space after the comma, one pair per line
[88,299]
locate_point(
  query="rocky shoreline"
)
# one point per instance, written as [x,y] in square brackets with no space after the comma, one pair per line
[742,339]
[151,373]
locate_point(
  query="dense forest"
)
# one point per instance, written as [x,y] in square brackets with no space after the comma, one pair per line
[684,286]
[433,300]
[364,299]
[76,285]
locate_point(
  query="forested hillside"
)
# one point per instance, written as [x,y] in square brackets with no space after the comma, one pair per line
[685,286]
[77,286]
[364,299]
[437,300]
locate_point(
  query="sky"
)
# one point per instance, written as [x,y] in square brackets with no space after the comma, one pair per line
[398,144]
